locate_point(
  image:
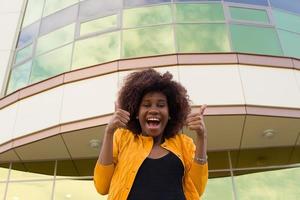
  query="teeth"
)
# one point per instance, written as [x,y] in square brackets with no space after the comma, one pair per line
[153,119]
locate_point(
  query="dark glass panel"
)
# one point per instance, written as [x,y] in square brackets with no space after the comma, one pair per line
[254,2]
[133,3]
[290,5]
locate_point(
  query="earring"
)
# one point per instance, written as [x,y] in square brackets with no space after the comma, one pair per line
[137,117]
[169,117]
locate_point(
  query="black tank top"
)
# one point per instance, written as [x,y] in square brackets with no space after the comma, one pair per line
[159,179]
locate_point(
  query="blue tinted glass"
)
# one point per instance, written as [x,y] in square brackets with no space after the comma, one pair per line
[196,0]
[131,3]
[254,2]
[98,8]
[28,34]
[290,5]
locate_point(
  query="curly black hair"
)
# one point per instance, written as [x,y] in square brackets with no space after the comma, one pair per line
[137,84]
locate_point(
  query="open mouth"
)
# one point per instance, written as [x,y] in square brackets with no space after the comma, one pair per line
[153,122]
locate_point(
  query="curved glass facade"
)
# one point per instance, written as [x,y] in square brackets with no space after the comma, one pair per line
[259,183]
[57,36]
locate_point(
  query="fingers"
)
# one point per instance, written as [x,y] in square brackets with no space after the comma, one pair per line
[202,109]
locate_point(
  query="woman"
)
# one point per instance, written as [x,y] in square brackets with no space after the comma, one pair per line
[144,155]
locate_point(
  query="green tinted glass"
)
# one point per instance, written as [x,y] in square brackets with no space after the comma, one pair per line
[202,38]
[199,12]
[51,64]
[19,77]
[147,16]
[251,39]
[2,190]
[219,187]
[52,6]
[148,41]
[249,14]
[96,50]
[33,11]
[98,25]
[23,54]
[287,21]
[279,184]
[290,43]
[56,38]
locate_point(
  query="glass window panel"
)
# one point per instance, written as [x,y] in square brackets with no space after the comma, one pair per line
[2,190]
[96,50]
[33,11]
[219,188]
[56,38]
[4,168]
[96,8]
[202,38]
[199,12]
[51,64]
[249,14]
[19,77]
[195,0]
[287,21]
[251,39]
[52,6]
[29,190]
[290,43]
[132,3]
[148,41]
[98,25]
[24,53]
[254,2]
[59,19]
[18,171]
[278,184]
[76,190]
[290,5]
[28,34]
[147,16]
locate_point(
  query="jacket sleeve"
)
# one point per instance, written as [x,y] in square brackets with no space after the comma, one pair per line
[199,176]
[104,173]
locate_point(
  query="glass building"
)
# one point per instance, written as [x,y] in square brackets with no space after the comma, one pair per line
[62,63]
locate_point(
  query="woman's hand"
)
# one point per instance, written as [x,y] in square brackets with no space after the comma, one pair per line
[119,120]
[195,121]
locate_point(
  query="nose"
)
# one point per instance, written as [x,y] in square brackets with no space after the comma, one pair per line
[153,110]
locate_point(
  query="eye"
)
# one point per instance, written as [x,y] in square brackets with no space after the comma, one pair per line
[147,105]
[161,105]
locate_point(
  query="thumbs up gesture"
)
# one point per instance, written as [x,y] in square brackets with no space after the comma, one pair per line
[195,121]
[119,119]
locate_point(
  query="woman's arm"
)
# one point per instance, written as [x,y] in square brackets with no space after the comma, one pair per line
[105,165]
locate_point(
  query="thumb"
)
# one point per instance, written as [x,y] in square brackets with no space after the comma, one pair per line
[117,106]
[202,108]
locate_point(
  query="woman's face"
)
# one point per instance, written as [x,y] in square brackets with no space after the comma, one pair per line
[153,113]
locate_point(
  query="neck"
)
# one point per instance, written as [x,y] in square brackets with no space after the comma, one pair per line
[157,140]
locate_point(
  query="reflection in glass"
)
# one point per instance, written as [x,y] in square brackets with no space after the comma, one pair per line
[52,6]
[37,170]
[28,34]
[96,50]
[29,190]
[94,8]
[199,12]
[77,190]
[248,14]
[279,184]
[251,39]
[202,38]
[23,54]
[287,21]
[3,172]
[148,41]
[254,2]
[54,39]
[147,16]
[132,3]
[290,43]
[33,11]
[98,25]
[51,64]
[19,77]
[219,188]
[290,5]
[2,190]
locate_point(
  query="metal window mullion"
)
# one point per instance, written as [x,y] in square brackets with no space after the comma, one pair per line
[232,177]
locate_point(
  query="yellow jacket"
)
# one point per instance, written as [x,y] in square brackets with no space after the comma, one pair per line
[129,152]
